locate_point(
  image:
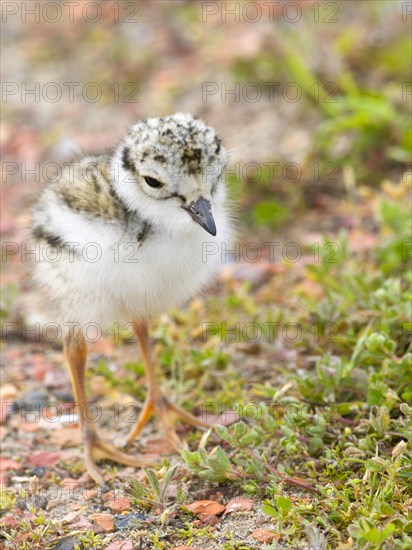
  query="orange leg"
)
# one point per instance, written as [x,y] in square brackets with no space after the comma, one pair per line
[157,404]
[94,447]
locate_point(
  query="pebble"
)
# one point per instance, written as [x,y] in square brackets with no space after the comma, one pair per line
[126,522]
[39,471]
[67,543]
[31,401]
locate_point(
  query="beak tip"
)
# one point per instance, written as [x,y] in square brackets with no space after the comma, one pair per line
[201,213]
[213,232]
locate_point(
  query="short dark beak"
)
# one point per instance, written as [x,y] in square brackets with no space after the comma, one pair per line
[201,212]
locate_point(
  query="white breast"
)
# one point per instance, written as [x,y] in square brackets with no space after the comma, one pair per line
[111,278]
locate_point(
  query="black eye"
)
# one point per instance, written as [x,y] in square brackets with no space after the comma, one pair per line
[153,182]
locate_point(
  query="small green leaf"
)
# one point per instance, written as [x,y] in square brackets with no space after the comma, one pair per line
[181,494]
[223,432]
[222,459]
[240,429]
[284,504]
[192,459]
[269,510]
[169,474]
[387,532]
[386,509]
[168,477]
[407,528]
[365,525]
[248,439]
[373,535]
[137,487]
[151,476]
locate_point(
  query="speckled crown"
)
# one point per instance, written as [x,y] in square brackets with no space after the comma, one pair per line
[179,140]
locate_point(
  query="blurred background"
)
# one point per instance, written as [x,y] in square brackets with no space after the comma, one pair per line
[313,101]
[303,82]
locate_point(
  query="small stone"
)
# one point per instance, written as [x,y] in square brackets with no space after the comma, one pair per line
[67,543]
[205,507]
[77,520]
[239,505]
[126,522]
[32,400]
[105,521]
[70,483]
[70,517]
[39,471]
[120,545]
[89,494]
[44,459]
[264,535]
[207,519]
[120,504]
